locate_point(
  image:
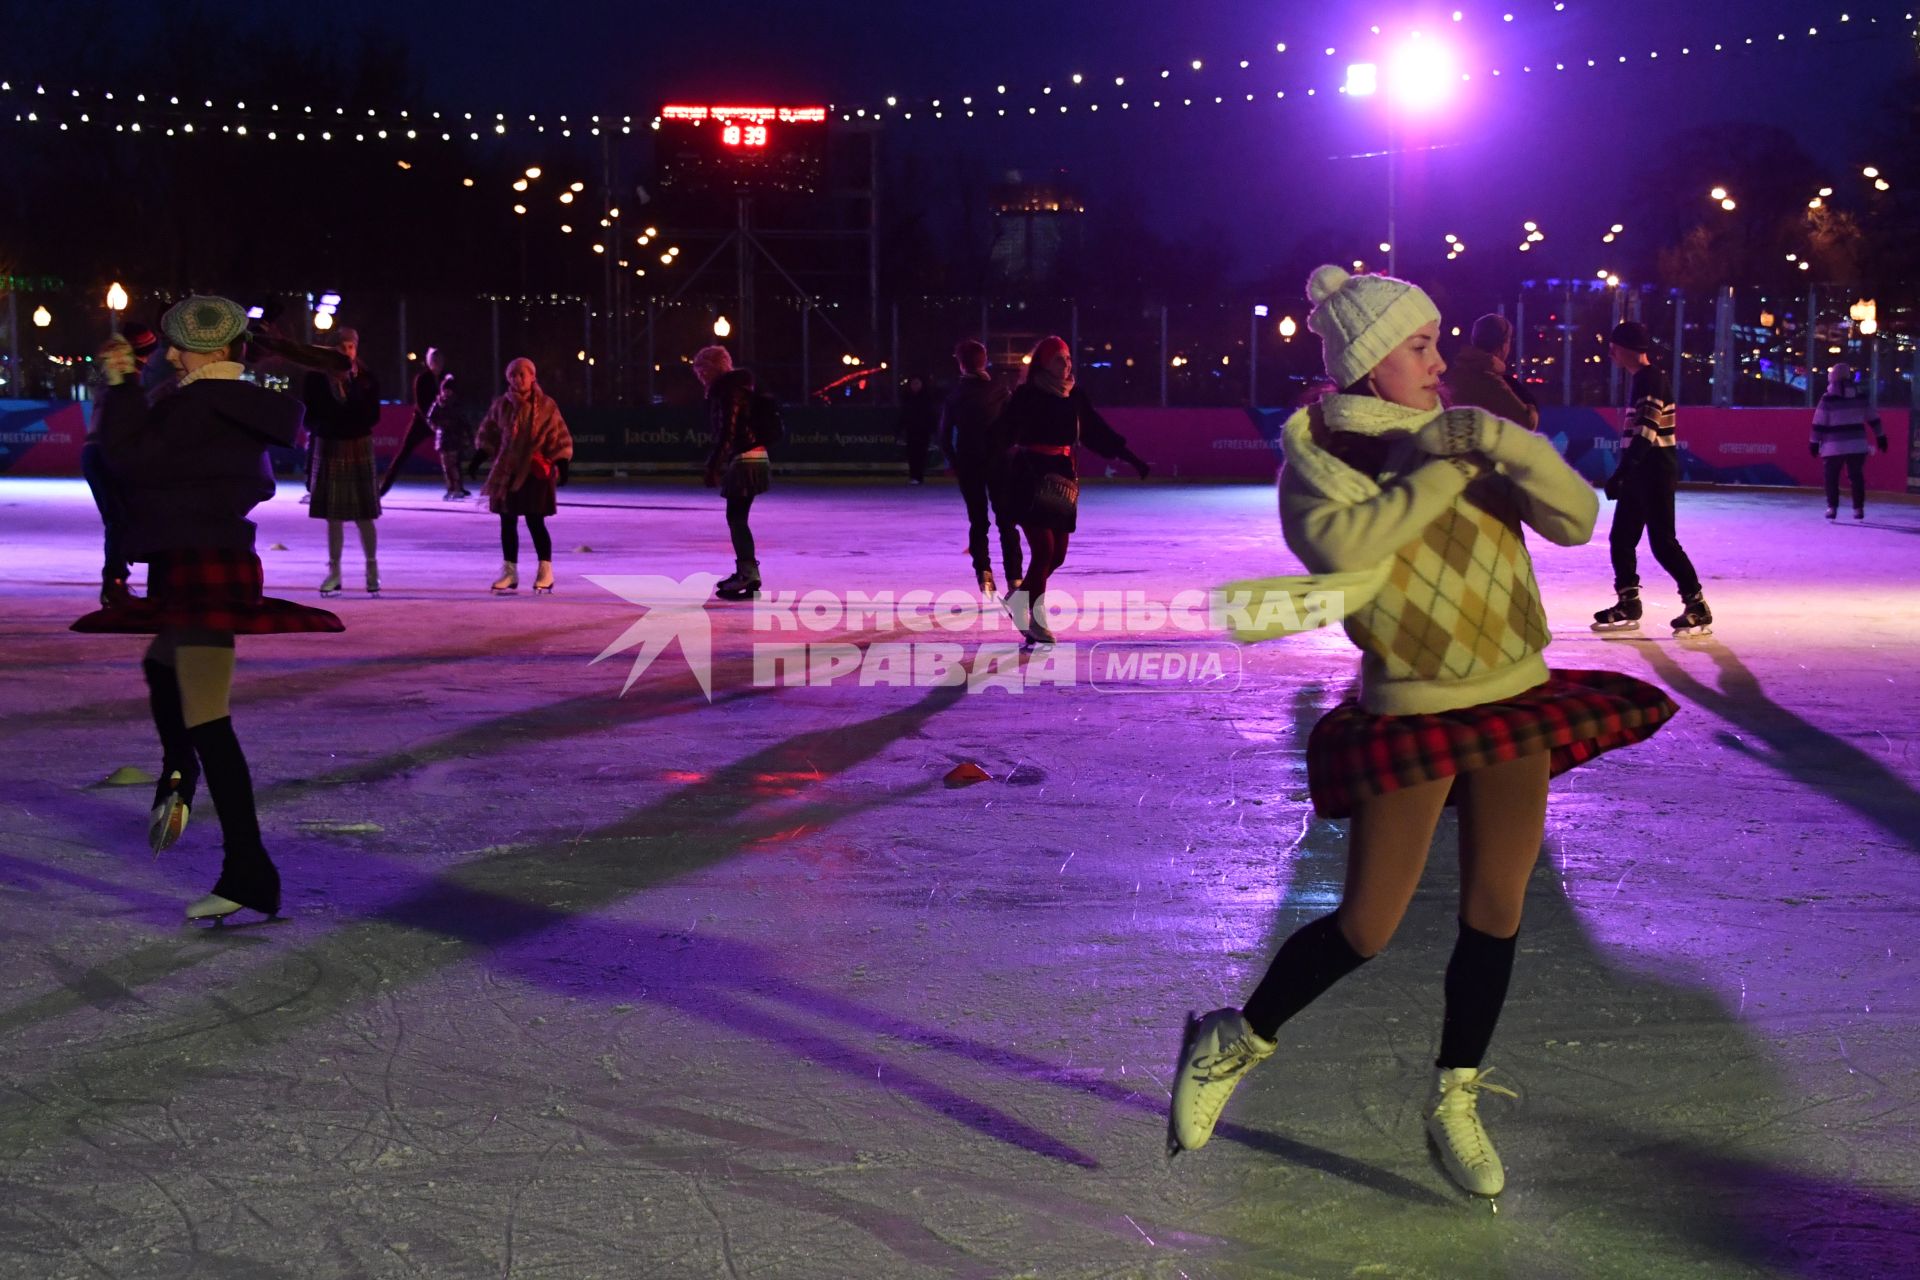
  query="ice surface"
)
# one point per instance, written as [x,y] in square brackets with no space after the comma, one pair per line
[579,985]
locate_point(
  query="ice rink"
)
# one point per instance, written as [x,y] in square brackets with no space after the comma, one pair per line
[575,984]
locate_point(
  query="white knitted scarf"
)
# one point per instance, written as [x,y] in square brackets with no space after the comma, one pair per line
[1261,608]
[218,371]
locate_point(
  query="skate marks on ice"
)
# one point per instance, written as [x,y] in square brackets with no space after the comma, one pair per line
[268,682]
[1787,742]
[482,911]
[1651,1126]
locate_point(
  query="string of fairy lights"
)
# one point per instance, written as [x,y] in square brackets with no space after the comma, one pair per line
[1312,71]
[1173,86]
[1335,68]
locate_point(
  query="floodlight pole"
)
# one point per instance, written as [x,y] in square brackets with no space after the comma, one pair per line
[1393,207]
[1812,336]
[1253,360]
[744,283]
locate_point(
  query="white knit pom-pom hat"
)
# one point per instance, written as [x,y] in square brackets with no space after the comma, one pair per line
[1362,318]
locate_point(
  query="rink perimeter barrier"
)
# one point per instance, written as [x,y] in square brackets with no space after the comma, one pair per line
[1717,446]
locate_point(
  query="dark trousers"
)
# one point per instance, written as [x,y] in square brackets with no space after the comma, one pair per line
[1856,464]
[418,433]
[536,529]
[918,443]
[113,514]
[1645,505]
[738,529]
[983,496]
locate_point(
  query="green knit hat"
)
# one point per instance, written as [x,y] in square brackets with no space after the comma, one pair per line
[204,323]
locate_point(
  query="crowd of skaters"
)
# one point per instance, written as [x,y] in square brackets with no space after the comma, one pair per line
[1392,453]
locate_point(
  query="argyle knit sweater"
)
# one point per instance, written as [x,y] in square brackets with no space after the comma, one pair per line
[1451,617]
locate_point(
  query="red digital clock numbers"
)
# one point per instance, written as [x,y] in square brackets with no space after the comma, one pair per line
[741,147]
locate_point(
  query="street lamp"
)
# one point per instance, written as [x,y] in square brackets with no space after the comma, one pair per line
[1260,312]
[722,327]
[1419,77]
[42,317]
[1288,327]
[116,297]
[1422,74]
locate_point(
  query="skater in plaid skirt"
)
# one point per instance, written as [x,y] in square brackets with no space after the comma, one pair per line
[191,466]
[1413,514]
[343,407]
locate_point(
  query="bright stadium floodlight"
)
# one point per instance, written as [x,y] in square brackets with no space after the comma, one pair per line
[1422,74]
[1363,80]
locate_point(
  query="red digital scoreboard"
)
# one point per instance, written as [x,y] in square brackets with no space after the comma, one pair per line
[741,148]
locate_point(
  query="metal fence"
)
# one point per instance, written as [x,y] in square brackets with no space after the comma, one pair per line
[1729,346]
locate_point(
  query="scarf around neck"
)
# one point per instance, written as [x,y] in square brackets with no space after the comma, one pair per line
[1049,381]
[1278,604]
[218,371]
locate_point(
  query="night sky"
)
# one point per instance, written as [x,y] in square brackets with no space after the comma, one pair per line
[1549,147]
[1559,148]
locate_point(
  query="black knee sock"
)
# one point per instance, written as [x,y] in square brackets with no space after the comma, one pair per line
[247,874]
[176,748]
[1313,959]
[1476,987]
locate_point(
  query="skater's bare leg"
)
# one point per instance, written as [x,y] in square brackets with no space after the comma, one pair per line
[205,667]
[1386,852]
[1503,817]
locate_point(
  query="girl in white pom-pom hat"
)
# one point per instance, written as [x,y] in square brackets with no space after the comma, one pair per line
[1412,513]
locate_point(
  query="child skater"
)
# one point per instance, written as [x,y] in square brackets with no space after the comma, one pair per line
[1414,512]
[190,467]
[528,441]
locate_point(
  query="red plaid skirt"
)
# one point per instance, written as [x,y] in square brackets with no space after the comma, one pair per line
[1353,755]
[205,589]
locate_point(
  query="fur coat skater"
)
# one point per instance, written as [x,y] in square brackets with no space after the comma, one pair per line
[526,438]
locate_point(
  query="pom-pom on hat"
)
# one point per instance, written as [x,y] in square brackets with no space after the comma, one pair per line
[204,323]
[1362,318]
[142,339]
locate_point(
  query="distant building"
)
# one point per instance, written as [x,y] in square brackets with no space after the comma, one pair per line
[1036,231]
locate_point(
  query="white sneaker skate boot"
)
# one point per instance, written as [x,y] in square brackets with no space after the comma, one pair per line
[330,585]
[1454,1128]
[543,580]
[1215,1055]
[509,579]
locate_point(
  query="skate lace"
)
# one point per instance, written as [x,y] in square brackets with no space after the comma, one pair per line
[1232,1061]
[1457,1111]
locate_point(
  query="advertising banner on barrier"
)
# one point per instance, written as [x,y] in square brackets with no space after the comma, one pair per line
[1728,446]
[1717,446]
[41,438]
